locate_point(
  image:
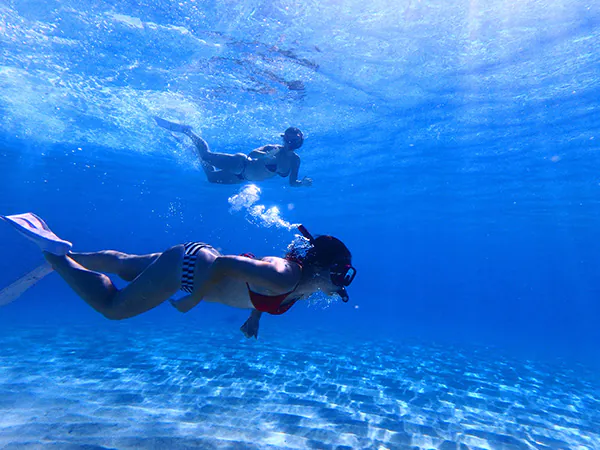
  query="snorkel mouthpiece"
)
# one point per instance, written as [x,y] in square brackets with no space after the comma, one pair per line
[344,295]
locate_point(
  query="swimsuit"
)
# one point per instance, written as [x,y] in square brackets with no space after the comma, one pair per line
[273,168]
[189,264]
[271,304]
[270,166]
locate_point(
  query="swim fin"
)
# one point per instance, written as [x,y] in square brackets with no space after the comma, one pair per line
[10,293]
[172,126]
[36,230]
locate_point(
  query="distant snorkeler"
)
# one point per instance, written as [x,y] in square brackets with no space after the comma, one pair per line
[260,164]
[267,285]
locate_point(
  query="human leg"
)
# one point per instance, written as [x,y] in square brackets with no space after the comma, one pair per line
[157,283]
[234,164]
[220,176]
[126,266]
[36,230]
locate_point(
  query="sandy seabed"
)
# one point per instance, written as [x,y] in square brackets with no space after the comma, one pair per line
[127,388]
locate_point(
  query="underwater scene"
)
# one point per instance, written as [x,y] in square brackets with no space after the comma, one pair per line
[283,224]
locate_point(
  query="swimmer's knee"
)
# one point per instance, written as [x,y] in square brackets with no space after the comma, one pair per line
[117,259]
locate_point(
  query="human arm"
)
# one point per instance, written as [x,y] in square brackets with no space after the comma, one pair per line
[273,274]
[250,327]
[295,169]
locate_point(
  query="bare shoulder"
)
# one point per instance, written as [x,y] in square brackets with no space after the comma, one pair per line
[282,265]
[273,273]
[271,266]
[288,272]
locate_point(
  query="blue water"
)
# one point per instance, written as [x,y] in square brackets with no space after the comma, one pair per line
[453,148]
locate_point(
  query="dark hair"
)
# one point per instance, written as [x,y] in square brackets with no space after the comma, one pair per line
[324,252]
[293,131]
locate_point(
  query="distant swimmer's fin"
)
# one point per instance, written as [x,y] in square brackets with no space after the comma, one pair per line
[172,126]
[36,230]
[10,293]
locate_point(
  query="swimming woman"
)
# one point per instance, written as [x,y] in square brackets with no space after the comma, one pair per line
[260,164]
[267,285]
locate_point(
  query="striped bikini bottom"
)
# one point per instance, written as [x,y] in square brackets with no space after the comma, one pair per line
[190,256]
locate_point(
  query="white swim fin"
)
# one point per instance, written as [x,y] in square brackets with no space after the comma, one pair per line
[36,230]
[10,293]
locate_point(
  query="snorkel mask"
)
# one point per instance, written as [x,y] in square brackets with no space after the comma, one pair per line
[341,273]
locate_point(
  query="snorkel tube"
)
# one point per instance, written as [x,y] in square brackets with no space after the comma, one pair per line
[306,234]
[342,290]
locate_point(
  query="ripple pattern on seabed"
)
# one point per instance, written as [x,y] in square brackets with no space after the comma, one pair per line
[200,388]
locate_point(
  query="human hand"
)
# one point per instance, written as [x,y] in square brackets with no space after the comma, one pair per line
[184,304]
[250,328]
[306,181]
[176,304]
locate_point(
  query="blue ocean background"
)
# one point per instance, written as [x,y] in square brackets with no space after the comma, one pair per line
[453,148]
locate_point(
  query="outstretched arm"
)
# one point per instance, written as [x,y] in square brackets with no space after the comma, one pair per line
[294,181]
